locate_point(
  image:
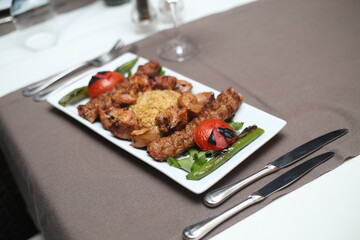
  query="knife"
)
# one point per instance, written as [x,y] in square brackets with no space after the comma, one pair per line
[218,196]
[198,230]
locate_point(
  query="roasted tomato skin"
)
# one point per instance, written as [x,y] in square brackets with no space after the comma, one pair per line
[209,135]
[102,82]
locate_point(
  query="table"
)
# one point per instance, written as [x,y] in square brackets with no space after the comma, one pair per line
[312,219]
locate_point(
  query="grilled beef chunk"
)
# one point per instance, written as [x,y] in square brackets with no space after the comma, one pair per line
[223,107]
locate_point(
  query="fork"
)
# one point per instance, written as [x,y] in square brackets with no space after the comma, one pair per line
[41,96]
[96,62]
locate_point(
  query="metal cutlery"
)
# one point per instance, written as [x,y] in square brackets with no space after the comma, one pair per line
[216,197]
[96,62]
[133,48]
[198,230]
[41,96]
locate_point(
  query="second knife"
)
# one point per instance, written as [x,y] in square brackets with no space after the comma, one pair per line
[218,196]
[200,229]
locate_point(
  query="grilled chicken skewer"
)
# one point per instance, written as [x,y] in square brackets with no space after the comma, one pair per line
[223,107]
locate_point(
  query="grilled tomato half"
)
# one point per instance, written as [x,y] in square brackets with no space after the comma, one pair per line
[102,82]
[214,134]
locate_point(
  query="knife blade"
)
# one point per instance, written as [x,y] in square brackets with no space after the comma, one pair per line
[198,230]
[216,197]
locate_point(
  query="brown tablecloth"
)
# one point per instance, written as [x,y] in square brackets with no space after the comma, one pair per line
[298,60]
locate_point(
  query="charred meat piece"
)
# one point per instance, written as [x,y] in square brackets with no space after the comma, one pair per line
[123,99]
[142,137]
[90,111]
[139,82]
[172,119]
[195,103]
[189,101]
[161,82]
[150,68]
[223,107]
[183,86]
[204,97]
[124,124]
[109,115]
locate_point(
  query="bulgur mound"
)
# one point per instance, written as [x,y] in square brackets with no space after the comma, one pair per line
[150,103]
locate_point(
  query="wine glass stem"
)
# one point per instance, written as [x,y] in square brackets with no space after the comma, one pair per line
[174,20]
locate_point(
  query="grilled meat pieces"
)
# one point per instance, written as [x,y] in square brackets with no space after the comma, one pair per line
[223,107]
[109,115]
[123,99]
[90,111]
[171,119]
[195,103]
[174,119]
[163,82]
[183,86]
[142,137]
[150,68]
[123,124]
[112,109]
[125,93]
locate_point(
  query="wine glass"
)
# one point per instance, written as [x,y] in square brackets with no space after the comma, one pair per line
[179,48]
[36,23]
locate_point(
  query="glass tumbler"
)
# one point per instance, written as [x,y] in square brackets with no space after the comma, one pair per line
[35,21]
[143,16]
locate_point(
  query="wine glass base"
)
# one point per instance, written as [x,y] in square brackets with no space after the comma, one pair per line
[178,50]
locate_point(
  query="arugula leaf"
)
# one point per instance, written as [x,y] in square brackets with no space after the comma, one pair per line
[235,125]
[186,163]
[161,71]
[173,162]
[199,160]
[129,73]
[193,159]
[183,163]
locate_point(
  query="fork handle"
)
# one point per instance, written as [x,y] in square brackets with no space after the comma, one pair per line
[37,87]
[43,95]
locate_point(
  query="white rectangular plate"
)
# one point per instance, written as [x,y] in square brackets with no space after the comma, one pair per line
[246,113]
